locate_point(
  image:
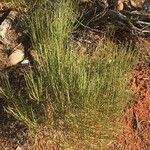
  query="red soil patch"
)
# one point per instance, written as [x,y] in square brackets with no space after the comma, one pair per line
[136,122]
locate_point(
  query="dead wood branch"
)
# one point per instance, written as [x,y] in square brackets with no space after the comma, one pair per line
[137,22]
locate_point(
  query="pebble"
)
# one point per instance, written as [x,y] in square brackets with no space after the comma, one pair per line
[19,148]
[25,62]
[16,57]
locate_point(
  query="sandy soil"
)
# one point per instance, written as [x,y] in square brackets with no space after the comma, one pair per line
[136,122]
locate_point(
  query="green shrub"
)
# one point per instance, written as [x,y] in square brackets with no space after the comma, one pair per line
[63,83]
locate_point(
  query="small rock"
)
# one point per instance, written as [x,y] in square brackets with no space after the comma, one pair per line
[19,148]
[120,6]
[16,57]
[25,62]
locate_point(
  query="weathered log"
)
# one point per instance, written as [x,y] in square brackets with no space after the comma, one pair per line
[136,22]
[6,35]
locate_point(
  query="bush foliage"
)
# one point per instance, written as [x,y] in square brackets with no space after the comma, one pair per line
[63,84]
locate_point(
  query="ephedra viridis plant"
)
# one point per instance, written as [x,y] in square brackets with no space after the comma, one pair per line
[64,85]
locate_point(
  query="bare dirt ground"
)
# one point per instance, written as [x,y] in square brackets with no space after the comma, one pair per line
[12,133]
[136,121]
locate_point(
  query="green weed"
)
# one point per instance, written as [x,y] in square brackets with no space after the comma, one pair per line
[66,85]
